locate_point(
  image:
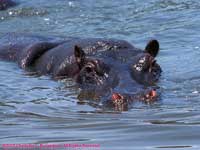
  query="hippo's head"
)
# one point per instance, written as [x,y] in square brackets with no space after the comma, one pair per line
[93,71]
[145,70]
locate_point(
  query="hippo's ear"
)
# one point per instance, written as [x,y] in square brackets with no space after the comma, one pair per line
[152,48]
[79,54]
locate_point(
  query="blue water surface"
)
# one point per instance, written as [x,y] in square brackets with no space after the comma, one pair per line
[35,109]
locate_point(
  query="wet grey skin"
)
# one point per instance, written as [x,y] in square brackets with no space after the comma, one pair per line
[99,66]
[4,4]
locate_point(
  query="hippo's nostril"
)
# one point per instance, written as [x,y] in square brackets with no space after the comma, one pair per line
[117,96]
[151,95]
[117,99]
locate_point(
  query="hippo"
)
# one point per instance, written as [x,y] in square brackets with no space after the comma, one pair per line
[113,70]
[4,4]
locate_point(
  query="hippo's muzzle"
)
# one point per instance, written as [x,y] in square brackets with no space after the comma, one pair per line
[121,102]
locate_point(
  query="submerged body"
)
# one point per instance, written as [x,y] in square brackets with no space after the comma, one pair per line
[102,66]
[4,4]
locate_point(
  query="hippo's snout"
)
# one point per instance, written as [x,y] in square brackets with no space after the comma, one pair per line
[121,102]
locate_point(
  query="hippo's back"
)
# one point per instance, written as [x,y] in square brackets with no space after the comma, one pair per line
[12,44]
[4,4]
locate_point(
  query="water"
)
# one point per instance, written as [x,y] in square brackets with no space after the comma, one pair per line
[38,110]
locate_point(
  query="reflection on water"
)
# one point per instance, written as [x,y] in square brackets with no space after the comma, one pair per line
[37,109]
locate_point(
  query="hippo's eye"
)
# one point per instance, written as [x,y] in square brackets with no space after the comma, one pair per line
[88,69]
